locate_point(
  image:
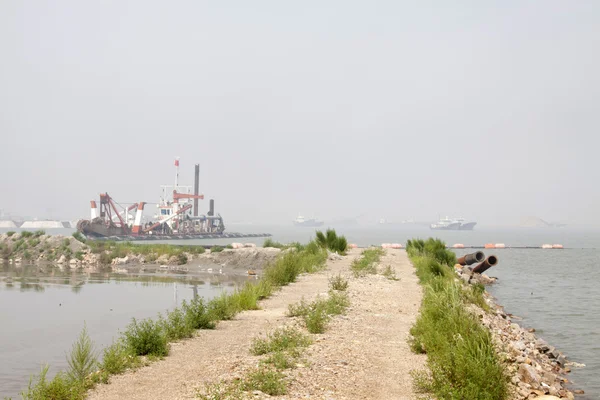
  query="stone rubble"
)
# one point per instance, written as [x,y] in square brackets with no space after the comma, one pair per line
[537,370]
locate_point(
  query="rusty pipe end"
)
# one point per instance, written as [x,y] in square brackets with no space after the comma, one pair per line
[486,264]
[492,260]
[479,256]
[472,258]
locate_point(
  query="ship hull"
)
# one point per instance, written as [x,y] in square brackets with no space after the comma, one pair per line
[449,227]
[468,226]
[308,224]
[131,238]
[455,227]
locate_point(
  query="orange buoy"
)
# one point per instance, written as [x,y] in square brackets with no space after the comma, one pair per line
[458,246]
[489,246]
[557,246]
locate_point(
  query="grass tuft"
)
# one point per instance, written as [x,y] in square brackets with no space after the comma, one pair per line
[331,241]
[367,264]
[266,380]
[390,273]
[280,340]
[338,282]
[319,312]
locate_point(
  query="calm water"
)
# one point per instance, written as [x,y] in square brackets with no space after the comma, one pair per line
[554,291]
[42,312]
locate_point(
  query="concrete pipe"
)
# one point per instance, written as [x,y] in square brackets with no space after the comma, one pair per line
[487,264]
[473,258]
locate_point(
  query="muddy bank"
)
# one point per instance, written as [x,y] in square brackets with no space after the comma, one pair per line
[535,368]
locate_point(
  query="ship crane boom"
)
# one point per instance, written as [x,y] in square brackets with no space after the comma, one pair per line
[182,210]
[177,196]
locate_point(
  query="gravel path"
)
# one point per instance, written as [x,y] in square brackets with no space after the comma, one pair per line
[363,354]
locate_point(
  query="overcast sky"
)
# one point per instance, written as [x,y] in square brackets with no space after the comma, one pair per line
[485,109]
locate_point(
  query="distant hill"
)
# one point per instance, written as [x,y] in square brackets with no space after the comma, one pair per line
[535,222]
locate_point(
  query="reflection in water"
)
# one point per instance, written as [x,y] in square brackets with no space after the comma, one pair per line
[55,303]
[37,277]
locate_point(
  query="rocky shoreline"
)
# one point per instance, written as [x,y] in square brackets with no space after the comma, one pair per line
[536,369]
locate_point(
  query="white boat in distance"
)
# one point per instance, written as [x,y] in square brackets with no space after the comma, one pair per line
[307,222]
[453,224]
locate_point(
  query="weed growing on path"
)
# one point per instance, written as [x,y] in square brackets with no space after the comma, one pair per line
[338,282]
[281,339]
[367,263]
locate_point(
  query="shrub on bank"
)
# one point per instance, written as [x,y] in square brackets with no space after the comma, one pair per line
[331,241]
[146,337]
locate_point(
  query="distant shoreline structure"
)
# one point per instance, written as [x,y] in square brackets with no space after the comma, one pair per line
[37,224]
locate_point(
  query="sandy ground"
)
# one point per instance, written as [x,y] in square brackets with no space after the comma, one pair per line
[363,354]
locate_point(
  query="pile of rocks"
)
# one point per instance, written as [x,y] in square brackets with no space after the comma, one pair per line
[536,368]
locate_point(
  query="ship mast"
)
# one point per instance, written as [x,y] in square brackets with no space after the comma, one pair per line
[176,172]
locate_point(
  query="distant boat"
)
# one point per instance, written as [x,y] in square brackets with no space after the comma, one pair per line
[307,222]
[453,224]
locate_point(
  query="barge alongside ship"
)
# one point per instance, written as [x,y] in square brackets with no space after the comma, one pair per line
[177,218]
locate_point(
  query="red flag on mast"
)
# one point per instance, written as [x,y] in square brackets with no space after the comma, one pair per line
[177,162]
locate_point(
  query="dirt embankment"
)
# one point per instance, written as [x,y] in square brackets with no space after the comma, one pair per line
[68,252]
[248,257]
[28,247]
[362,355]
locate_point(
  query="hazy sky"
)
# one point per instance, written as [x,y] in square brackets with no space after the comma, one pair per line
[485,109]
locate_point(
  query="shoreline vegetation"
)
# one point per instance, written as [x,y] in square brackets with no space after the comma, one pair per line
[144,341]
[462,360]
[474,350]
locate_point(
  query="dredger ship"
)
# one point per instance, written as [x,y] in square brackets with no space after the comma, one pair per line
[177,217]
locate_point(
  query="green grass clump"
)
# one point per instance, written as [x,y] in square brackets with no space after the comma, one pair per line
[79,237]
[26,234]
[317,314]
[117,358]
[266,380]
[175,325]
[182,259]
[433,248]
[367,263]
[146,337]
[460,351]
[217,249]
[390,273]
[197,314]
[271,243]
[59,388]
[316,320]
[221,391]
[338,282]
[282,339]
[331,241]
[10,233]
[281,360]
[291,264]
